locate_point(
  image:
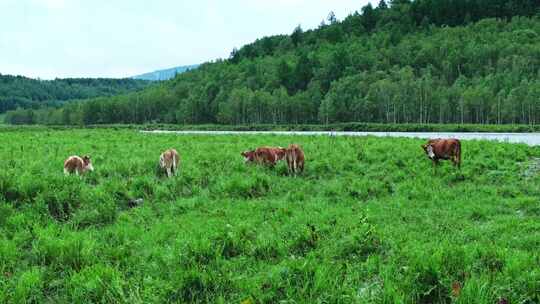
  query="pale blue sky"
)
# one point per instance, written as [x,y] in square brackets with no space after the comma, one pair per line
[119,38]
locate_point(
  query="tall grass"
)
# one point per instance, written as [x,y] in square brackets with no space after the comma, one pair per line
[370,221]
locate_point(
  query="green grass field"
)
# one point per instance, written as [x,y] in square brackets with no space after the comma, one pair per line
[370,221]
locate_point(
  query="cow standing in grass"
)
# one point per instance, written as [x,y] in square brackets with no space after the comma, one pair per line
[447,149]
[295,159]
[264,155]
[169,162]
[78,165]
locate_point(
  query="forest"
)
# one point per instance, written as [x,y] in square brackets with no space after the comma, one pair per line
[18,92]
[423,61]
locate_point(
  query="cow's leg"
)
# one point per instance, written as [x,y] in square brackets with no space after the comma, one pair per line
[174,169]
[289,166]
[168,172]
[295,160]
[457,155]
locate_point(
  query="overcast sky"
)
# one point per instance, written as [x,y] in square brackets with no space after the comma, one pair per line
[120,38]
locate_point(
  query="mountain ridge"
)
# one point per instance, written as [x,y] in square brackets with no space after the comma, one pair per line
[164,74]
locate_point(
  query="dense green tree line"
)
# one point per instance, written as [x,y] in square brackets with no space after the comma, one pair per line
[474,61]
[22,92]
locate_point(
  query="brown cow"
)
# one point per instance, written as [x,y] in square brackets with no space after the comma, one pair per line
[295,158]
[448,149]
[264,155]
[77,165]
[169,161]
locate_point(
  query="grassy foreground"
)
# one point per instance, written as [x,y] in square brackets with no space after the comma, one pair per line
[370,221]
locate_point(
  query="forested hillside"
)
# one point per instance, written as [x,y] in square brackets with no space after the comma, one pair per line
[23,92]
[425,61]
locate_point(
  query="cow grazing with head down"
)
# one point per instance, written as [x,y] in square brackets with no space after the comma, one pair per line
[447,149]
[295,158]
[264,155]
[169,162]
[77,165]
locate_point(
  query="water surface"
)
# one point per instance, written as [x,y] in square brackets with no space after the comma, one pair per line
[531,139]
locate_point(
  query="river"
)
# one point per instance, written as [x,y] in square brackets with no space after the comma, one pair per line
[531,139]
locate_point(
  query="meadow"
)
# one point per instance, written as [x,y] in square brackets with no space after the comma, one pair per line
[369,221]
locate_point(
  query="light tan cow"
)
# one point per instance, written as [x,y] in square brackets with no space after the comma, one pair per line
[295,158]
[78,165]
[169,161]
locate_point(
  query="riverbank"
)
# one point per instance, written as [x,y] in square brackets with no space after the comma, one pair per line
[345,127]
[354,127]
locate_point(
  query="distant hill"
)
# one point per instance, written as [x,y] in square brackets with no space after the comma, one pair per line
[166,74]
[23,92]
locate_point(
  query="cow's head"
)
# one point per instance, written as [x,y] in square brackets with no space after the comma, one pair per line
[249,156]
[87,163]
[428,148]
[161,163]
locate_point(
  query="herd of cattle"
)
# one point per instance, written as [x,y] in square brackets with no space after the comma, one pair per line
[169,161]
